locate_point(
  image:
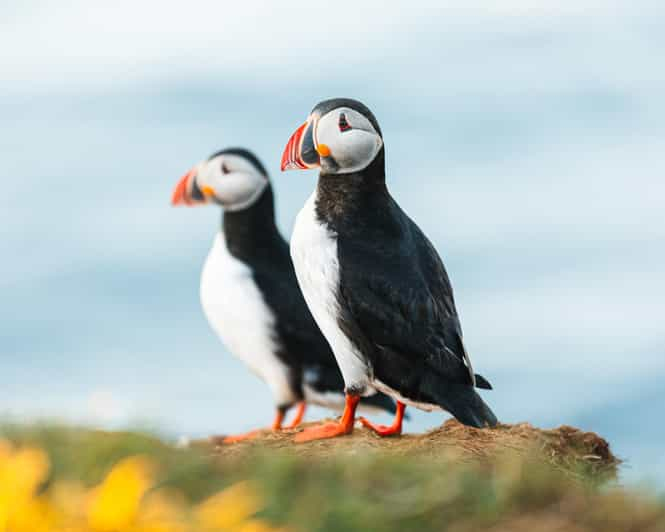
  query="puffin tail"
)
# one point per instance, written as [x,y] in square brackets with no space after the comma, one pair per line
[463,402]
[473,411]
[482,382]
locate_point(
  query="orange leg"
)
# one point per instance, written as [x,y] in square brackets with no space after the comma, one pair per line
[337,428]
[384,430]
[276,425]
[300,414]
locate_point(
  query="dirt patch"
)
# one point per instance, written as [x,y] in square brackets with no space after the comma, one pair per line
[565,447]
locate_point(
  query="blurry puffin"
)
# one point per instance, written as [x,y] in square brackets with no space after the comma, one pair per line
[250,294]
[374,283]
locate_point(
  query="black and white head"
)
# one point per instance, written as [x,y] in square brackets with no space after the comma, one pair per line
[340,136]
[232,178]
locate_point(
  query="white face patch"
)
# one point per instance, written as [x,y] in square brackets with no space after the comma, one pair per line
[351,138]
[237,184]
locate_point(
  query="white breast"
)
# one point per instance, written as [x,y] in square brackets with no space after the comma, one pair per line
[237,312]
[314,254]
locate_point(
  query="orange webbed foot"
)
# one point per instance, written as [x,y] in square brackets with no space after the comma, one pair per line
[381,430]
[276,425]
[322,432]
[243,437]
[332,430]
[388,430]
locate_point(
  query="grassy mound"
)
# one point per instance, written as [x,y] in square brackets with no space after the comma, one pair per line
[512,478]
[567,449]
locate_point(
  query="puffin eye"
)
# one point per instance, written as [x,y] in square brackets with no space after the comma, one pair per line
[225,169]
[343,124]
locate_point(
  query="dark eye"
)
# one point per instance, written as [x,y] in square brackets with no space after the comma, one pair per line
[343,124]
[225,169]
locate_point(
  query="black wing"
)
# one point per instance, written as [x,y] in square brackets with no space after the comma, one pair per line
[399,301]
[397,305]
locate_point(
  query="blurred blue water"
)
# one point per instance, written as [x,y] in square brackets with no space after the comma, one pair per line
[531,156]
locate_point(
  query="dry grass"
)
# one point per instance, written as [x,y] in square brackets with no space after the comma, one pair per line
[565,448]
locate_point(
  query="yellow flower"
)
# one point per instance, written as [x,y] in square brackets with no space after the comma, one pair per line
[122,502]
[32,515]
[21,473]
[116,501]
[229,508]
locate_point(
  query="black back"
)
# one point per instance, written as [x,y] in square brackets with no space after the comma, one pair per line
[395,296]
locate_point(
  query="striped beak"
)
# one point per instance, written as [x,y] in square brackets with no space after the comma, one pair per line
[300,152]
[187,192]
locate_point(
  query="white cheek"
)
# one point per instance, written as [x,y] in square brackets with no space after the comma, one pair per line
[354,150]
[207,175]
[238,190]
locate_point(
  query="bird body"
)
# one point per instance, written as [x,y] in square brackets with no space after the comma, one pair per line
[238,313]
[373,281]
[249,291]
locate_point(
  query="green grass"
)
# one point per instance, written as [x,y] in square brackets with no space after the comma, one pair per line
[370,491]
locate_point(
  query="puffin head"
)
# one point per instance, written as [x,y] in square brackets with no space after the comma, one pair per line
[232,178]
[340,136]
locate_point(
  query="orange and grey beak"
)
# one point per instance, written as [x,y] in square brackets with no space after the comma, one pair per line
[187,191]
[300,152]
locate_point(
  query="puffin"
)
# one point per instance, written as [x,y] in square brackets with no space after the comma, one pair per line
[250,295]
[374,283]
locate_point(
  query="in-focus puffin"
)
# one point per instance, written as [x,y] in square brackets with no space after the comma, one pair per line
[374,283]
[250,294]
